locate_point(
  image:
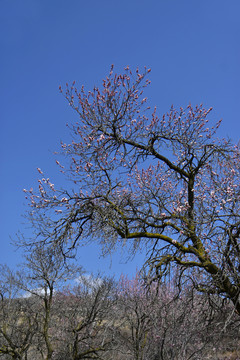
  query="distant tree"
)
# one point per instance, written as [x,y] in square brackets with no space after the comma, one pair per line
[164,183]
[43,273]
[40,318]
[135,309]
[159,323]
[18,320]
[43,318]
[86,321]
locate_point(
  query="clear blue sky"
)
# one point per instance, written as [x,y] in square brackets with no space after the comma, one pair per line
[192,47]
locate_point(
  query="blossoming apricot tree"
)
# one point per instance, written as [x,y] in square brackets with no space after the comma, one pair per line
[167,183]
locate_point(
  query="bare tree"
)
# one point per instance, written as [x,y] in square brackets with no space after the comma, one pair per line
[18,320]
[101,319]
[43,273]
[45,314]
[161,323]
[86,321]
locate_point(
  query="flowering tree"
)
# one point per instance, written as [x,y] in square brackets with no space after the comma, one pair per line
[165,183]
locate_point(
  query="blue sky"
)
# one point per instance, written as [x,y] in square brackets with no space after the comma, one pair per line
[192,47]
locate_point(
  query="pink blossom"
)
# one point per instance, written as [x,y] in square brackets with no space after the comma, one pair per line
[39,170]
[102,137]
